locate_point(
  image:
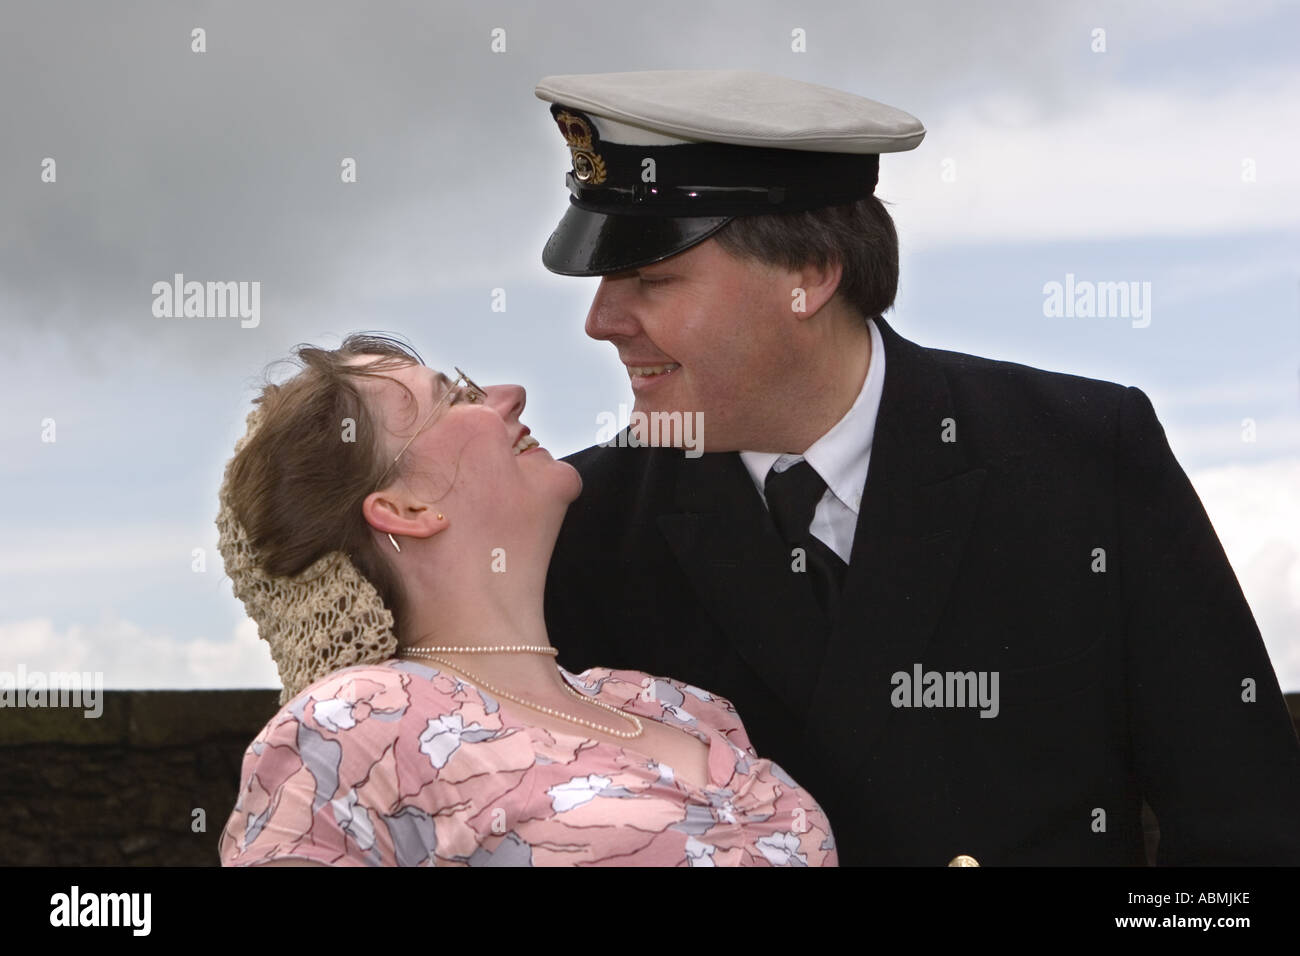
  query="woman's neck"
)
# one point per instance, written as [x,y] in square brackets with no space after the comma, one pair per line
[494,601]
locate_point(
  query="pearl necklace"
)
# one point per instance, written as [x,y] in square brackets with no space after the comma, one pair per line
[431,654]
[423,651]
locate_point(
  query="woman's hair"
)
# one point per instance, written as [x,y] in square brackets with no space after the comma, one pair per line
[860,236]
[298,484]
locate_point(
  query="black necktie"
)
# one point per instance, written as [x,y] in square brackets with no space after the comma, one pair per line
[792,497]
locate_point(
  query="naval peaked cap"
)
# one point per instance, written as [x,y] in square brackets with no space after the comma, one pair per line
[664,159]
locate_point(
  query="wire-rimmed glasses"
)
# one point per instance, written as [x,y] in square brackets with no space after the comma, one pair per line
[462,389]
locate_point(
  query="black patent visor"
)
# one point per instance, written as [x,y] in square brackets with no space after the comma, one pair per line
[588,243]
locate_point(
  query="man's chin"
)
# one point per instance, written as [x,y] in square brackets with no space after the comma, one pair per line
[661,425]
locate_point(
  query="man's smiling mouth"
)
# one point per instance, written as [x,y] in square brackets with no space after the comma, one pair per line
[645,373]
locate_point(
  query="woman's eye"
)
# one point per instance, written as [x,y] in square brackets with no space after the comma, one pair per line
[648,280]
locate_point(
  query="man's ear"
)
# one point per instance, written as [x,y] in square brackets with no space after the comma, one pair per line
[389,512]
[819,285]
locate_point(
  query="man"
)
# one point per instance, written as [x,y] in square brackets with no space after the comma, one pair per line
[975,608]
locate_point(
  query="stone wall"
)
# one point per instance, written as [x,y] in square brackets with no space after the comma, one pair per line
[123,789]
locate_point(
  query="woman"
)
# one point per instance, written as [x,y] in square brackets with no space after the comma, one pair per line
[389,530]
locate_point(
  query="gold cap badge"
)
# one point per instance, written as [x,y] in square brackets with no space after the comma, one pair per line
[588,166]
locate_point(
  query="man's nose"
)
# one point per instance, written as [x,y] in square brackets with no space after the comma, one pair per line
[610,314]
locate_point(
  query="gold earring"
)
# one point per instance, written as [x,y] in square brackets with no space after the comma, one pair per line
[440,516]
[394,540]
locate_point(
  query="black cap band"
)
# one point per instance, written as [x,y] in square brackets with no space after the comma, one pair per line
[707,179]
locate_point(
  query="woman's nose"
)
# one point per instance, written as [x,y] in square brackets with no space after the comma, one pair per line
[507,401]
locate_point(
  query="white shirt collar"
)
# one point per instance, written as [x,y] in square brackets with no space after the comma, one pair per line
[843,454]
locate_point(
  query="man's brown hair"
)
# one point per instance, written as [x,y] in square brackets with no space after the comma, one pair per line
[860,236]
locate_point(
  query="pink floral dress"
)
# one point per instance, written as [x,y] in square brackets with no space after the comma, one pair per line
[400,764]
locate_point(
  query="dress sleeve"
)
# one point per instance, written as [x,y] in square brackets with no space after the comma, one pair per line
[319,782]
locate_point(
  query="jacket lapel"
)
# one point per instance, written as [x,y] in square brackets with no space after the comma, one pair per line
[724,543]
[918,506]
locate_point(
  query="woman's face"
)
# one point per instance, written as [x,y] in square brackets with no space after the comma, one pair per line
[465,461]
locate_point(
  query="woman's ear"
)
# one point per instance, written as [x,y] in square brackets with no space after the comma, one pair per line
[388,512]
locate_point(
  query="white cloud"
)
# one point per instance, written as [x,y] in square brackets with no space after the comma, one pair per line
[1117,162]
[130,658]
[1255,510]
[1216,441]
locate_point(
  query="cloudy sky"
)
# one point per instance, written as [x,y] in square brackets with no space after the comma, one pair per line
[1166,157]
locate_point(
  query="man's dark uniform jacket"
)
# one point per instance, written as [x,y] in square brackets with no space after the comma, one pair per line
[1056,541]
